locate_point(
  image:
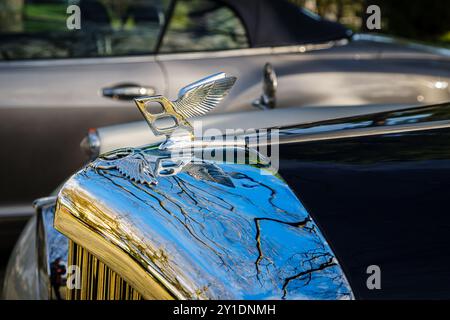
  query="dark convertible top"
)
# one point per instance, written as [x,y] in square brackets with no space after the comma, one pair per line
[273,23]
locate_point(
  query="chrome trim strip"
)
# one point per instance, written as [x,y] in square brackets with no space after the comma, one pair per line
[251,51]
[392,122]
[175,56]
[365,132]
[407,43]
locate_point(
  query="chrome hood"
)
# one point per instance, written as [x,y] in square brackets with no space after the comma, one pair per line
[213,231]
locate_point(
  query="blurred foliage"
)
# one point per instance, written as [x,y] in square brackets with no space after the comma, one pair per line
[347,12]
[417,19]
[44,17]
[426,21]
[11,15]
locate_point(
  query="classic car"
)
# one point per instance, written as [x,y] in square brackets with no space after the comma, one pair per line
[296,212]
[56,83]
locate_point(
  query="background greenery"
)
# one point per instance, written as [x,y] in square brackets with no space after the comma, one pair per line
[425,21]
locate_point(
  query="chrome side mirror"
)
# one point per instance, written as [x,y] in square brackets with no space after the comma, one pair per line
[270,83]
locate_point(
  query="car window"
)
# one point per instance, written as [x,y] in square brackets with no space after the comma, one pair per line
[203,25]
[43,29]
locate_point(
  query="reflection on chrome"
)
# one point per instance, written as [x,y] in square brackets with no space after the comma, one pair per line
[211,231]
[392,122]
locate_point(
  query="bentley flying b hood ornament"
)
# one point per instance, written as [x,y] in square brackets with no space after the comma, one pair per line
[193,100]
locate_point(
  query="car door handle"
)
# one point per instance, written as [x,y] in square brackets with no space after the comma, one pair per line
[127,91]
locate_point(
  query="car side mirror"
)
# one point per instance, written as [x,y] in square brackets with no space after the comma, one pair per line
[270,84]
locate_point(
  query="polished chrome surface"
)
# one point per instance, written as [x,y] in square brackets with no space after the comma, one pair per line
[193,100]
[212,231]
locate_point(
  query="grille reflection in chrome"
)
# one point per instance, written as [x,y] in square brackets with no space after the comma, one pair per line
[98,281]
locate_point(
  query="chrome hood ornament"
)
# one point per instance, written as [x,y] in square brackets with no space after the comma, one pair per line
[193,100]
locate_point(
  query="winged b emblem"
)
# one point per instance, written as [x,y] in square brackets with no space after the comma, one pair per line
[141,167]
[132,164]
[193,100]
